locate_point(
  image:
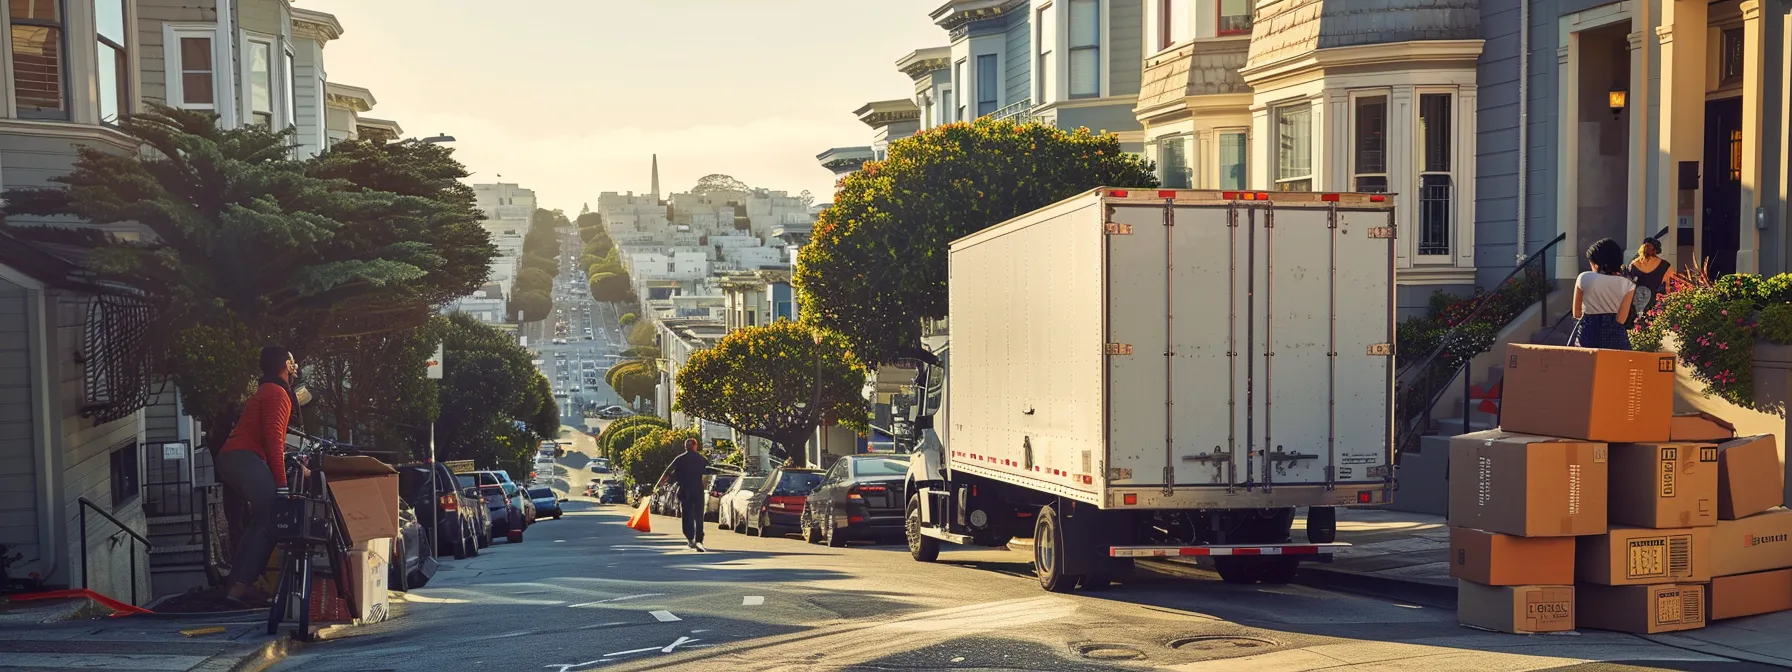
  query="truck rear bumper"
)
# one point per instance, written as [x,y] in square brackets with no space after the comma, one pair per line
[1208,497]
[1218,551]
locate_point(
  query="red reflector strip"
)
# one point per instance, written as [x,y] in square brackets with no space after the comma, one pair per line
[1229,195]
[1117,194]
[1261,196]
[1329,198]
[1166,194]
[1217,551]
[1378,199]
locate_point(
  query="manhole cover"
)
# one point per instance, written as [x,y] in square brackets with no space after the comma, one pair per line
[1221,643]
[1109,652]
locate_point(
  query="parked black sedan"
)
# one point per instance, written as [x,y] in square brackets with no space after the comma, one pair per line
[859,498]
[778,505]
[612,494]
[547,504]
[456,522]
[507,519]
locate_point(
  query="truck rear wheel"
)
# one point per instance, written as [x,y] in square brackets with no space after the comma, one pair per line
[920,547]
[1048,553]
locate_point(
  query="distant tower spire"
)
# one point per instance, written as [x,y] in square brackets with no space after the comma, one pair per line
[656,177]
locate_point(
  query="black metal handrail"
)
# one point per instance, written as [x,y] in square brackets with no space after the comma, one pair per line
[1426,380]
[88,504]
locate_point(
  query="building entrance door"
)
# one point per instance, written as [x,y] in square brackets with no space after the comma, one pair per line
[1722,182]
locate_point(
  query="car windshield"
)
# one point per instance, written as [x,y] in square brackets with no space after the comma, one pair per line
[494,497]
[467,480]
[879,466]
[722,482]
[798,482]
[541,493]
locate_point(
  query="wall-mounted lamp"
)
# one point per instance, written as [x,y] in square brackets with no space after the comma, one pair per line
[1617,98]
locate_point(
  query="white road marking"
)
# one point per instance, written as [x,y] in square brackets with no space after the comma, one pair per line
[624,653]
[674,645]
[624,598]
[752,600]
[559,541]
[664,616]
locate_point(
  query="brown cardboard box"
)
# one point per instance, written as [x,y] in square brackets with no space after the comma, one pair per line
[369,565]
[1530,486]
[1629,556]
[1664,485]
[1754,544]
[1750,477]
[1641,609]
[1515,608]
[1700,427]
[1504,560]
[366,490]
[1588,394]
[1750,594]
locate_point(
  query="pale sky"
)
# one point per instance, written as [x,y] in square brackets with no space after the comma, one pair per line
[571,97]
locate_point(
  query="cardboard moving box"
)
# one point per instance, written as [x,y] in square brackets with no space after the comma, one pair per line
[1530,486]
[1750,594]
[1641,609]
[369,566]
[1750,477]
[1700,427]
[1665,485]
[1754,544]
[1588,394]
[1629,556]
[1504,560]
[366,490]
[1519,609]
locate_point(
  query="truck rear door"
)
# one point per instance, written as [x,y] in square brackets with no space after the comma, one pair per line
[1248,341]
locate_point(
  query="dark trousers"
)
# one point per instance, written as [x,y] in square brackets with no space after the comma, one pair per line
[247,474]
[692,506]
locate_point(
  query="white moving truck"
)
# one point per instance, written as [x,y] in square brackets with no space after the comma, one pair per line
[1139,373]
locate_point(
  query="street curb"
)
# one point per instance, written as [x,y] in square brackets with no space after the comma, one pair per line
[1701,646]
[257,659]
[1429,594]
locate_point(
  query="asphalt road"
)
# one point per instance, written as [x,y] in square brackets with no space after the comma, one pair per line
[601,350]
[586,593]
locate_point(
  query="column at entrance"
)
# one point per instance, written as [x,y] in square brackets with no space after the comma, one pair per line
[1753,136]
[1682,118]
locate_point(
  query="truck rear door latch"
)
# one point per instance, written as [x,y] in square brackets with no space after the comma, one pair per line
[1215,456]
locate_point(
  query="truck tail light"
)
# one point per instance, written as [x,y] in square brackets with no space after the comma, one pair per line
[859,491]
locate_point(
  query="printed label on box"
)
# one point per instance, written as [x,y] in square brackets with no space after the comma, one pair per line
[1708,454]
[1669,608]
[1542,607]
[1648,558]
[1668,457]
[1599,453]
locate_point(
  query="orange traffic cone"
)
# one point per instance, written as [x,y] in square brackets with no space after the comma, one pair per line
[642,521]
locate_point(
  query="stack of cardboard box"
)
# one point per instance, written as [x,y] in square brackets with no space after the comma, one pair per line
[1594,506]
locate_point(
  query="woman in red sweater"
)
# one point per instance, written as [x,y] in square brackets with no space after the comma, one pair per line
[253,464]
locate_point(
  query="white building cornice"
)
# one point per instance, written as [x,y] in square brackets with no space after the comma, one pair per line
[957,13]
[1405,55]
[345,97]
[923,62]
[315,25]
[882,113]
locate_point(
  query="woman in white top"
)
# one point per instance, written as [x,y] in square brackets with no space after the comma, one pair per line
[1602,299]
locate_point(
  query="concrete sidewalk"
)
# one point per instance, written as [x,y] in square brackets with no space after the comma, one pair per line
[38,636]
[1409,553]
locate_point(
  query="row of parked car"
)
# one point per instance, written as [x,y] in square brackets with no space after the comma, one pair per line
[465,512]
[860,497]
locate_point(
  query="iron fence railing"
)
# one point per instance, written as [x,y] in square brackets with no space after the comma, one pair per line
[136,538]
[1020,112]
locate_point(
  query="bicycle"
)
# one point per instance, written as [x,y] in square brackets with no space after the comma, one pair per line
[305,521]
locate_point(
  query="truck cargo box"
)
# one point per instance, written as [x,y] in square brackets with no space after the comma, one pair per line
[1177,349]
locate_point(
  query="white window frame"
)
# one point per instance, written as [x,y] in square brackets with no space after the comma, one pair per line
[1219,164]
[1101,47]
[1275,154]
[976,64]
[961,81]
[1045,68]
[947,99]
[288,85]
[250,43]
[1454,172]
[1387,137]
[1166,31]
[172,34]
[1189,160]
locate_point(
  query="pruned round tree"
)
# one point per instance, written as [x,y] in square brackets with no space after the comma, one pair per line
[876,265]
[776,382]
[633,380]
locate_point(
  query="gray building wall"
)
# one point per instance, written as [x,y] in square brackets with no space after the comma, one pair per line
[87,449]
[151,55]
[18,433]
[1018,57]
[1126,32]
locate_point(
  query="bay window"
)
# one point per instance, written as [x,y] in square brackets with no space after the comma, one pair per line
[1369,144]
[111,65]
[958,80]
[1044,73]
[1172,23]
[1172,163]
[1235,17]
[1436,176]
[1294,147]
[1085,48]
[945,105]
[37,62]
[261,84]
[1233,148]
[988,98]
[194,76]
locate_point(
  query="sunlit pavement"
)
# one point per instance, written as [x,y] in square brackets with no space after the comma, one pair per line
[586,593]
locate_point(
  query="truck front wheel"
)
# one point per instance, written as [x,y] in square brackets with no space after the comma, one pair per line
[1048,553]
[920,547]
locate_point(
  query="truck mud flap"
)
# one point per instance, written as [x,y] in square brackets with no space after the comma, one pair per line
[1088,534]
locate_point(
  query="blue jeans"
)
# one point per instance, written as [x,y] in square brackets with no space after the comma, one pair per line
[1600,330]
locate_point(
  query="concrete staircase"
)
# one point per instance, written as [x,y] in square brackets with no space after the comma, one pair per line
[182,556]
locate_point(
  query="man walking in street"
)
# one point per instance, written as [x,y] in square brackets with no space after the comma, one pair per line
[687,472]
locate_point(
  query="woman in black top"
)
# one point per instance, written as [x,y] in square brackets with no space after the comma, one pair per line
[1650,272]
